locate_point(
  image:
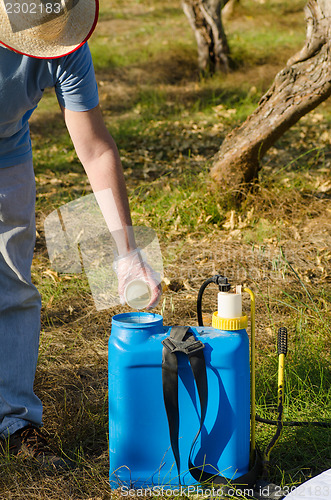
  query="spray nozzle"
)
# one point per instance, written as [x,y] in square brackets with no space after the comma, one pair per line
[222,282]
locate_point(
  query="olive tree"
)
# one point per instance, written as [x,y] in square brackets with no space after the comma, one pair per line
[205,18]
[298,88]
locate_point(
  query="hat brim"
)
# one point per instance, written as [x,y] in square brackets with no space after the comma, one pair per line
[52,38]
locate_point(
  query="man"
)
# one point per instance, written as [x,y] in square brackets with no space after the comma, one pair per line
[43,44]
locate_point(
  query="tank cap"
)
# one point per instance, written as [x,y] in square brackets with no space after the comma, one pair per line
[229,324]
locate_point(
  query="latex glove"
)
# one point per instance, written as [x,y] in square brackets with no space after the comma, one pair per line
[133,266]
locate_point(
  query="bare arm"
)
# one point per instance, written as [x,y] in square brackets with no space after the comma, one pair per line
[99,156]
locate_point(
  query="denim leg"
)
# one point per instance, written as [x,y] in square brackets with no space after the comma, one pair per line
[19,300]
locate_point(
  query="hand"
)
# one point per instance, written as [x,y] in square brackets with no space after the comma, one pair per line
[132,266]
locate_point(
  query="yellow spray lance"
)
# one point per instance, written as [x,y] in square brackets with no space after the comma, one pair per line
[282,351]
[253,421]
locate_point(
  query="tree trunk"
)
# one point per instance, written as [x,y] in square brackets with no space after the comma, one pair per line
[229,8]
[302,85]
[206,21]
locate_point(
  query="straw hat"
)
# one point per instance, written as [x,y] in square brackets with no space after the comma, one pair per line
[46,28]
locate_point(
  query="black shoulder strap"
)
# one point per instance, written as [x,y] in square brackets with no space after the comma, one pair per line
[181,339]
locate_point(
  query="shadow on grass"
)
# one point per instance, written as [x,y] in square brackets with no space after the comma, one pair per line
[160,122]
[301,453]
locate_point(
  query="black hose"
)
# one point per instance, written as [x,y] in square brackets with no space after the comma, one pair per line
[223,286]
[292,423]
[199,300]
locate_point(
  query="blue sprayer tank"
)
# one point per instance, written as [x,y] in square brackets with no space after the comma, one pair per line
[139,442]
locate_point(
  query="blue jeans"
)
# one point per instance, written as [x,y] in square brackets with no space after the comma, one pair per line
[19,301]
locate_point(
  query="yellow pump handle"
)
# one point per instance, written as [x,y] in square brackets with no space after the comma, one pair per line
[253,410]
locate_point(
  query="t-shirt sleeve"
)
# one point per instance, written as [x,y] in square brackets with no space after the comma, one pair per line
[75,83]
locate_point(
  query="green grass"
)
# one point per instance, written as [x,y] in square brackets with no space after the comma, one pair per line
[181,206]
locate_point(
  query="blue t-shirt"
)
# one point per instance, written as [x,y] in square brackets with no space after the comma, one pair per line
[22,83]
